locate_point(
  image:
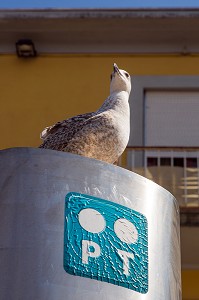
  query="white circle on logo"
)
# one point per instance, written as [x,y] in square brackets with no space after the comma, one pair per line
[91,220]
[126,231]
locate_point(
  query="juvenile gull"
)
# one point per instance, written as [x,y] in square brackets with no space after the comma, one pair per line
[103,134]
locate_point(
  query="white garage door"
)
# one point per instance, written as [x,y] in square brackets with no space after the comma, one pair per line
[172,118]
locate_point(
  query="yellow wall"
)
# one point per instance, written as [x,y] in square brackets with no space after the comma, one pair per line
[190,284]
[37,92]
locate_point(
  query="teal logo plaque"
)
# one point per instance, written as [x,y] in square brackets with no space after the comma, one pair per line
[106,241]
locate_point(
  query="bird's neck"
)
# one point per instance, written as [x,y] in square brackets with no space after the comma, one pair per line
[116,101]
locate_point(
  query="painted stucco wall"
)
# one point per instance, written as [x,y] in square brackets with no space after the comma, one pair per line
[35,93]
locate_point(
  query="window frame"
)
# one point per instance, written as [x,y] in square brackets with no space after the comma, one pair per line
[143,83]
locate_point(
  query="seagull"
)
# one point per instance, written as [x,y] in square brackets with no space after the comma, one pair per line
[103,134]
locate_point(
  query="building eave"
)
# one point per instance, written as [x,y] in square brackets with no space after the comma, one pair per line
[102,30]
[99,13]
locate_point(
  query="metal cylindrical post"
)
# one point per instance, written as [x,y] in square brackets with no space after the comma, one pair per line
[76,228]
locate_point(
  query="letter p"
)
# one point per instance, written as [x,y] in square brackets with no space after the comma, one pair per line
[89,249]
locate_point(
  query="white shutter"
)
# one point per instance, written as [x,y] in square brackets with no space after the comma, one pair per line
[172,118]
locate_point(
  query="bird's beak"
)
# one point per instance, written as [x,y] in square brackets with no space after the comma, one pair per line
[116,69]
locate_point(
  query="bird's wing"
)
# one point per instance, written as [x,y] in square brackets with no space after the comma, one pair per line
[67,124]
[59,135]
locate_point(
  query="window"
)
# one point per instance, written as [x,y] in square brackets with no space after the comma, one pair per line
[164,114]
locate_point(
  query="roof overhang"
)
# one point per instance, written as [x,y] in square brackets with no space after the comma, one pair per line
[102,30]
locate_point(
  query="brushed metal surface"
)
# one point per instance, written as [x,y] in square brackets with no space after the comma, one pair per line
[33,186]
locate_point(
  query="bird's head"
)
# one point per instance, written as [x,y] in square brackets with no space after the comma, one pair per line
[120,80]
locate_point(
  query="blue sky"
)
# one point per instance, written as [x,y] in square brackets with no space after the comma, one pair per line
[98,3]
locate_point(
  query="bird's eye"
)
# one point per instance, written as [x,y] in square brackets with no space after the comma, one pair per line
[127,75]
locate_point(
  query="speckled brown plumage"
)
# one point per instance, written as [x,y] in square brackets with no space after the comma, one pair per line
[102,134]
